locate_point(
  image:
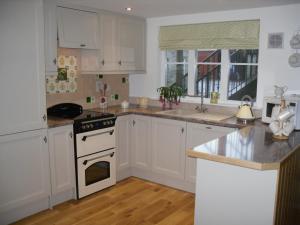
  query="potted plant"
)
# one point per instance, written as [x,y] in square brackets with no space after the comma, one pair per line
[170,94]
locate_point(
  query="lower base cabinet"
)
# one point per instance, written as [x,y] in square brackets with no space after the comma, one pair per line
[141,142]
[62,164]
[168,147]
[123,135]
[155,149]
[24,176]
[198,134]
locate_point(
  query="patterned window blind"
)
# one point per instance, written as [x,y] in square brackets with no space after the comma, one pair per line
[219,35]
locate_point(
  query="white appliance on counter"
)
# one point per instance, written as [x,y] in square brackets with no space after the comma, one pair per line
[292,101]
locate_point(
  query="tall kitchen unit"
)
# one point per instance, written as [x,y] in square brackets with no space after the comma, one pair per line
[24,157]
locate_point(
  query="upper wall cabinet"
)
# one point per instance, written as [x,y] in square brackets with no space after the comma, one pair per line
[50,37]
[122,41]
[77,28]
[132,44]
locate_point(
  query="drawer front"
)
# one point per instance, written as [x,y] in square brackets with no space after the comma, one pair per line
[95,141]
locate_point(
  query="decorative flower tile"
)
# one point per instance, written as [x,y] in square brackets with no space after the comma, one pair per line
[57,84]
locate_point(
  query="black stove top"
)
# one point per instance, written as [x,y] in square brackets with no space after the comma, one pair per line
[84,120]
[90,120]
[87,115]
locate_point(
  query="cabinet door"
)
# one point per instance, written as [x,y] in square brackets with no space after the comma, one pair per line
[22,67]
[77,29]
[141,142]
[168,146]
[62,164]
[24,166]
[50,37]
[123,142]
[132,44]
[109,56]
[198,134]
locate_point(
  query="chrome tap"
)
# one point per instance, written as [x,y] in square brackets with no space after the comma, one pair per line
[201,108]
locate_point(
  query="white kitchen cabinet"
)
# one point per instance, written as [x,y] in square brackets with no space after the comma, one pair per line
[22,66]
[198,134]
[77,28]
[123,135]
[50,37]
[141,142]
[109,56]
[25,175]
[132,44]
[122,41]
[168,147]
[62,164]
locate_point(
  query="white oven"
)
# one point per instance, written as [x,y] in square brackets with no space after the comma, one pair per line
[95,144]
[96,172]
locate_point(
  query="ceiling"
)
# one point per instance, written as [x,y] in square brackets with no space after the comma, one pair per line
[159,8]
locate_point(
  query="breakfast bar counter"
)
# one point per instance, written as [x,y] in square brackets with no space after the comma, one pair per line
[247,177]
[251,147]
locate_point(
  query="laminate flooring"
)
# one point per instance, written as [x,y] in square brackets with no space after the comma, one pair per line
[130,202]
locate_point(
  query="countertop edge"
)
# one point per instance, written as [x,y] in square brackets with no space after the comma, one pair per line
[233,161]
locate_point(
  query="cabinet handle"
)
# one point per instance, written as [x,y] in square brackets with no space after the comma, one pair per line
[44,117]
[45,139]
[54,61]
[182,130]
[208,128]
[71,134]
[133,122]
[120,63]
[82,45]
[103,62]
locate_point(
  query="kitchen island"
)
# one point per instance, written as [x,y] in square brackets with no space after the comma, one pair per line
[247,177]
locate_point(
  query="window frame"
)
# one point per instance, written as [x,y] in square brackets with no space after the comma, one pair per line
[224,77]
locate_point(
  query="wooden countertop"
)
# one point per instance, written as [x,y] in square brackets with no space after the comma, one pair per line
[251,147]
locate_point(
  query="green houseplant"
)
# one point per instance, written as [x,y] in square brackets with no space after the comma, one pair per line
[171,94]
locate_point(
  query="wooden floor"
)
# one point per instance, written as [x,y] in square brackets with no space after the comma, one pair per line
[130,202]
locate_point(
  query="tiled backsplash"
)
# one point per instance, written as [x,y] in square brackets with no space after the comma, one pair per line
[86,86]
[64,82]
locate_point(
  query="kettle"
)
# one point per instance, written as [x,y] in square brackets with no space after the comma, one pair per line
[245,112]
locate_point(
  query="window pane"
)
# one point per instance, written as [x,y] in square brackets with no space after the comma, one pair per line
[177,74]
[243,55]
[177,55]
[242,81]
[207,79]
[208,56]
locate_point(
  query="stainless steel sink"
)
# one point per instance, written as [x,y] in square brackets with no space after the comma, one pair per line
[210,116]
[178,112]
[194,114]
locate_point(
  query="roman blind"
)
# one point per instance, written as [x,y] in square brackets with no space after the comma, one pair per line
[219,35]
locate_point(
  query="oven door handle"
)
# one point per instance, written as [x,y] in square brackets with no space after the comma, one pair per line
[92,135]
[99,157]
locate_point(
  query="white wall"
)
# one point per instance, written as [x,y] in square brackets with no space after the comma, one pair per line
[273,63]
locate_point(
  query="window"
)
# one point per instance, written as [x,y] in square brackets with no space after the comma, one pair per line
[208,72]
[177,68]
[242,73]
[232,73]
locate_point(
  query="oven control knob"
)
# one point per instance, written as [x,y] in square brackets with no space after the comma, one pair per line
[92,126]
[104,123]
[83,127]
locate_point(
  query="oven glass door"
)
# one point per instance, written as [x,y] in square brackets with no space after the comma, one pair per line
[96,172]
